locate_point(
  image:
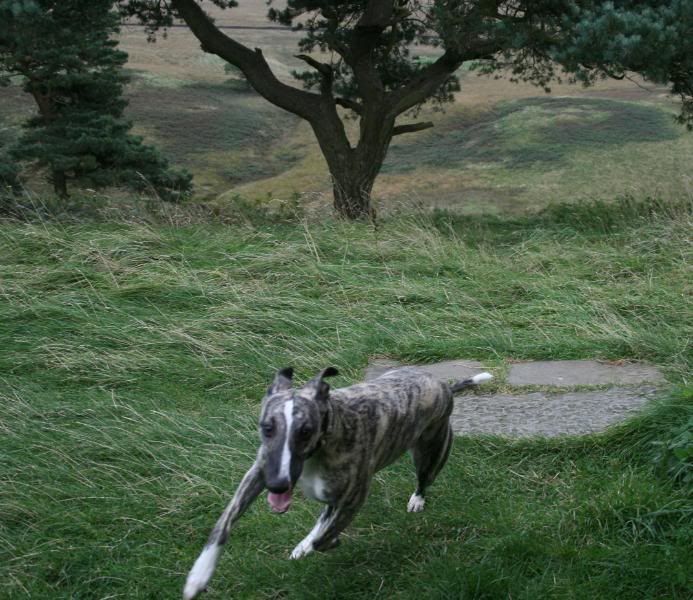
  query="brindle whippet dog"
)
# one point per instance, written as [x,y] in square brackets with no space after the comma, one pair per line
[331,443]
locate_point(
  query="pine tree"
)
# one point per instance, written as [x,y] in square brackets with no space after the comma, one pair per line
[69,62]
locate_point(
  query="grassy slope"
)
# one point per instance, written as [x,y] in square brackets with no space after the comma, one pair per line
[520,152]
[134,357]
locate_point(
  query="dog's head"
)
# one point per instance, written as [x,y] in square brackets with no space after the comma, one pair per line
[291,425]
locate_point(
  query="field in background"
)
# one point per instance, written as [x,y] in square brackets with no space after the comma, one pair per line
[499,148]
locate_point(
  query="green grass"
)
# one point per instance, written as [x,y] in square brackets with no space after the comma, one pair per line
[519,154]
[221,132]
[532,132]
[198,119]
[135,355]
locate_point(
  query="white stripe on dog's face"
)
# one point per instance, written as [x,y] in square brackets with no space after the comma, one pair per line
[285,466]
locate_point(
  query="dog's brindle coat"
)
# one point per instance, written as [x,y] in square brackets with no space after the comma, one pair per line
[331,443]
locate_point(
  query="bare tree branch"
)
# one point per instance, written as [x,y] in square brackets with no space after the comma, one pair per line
[251,62]
[357,107]
[322,68]
[424,83]
[411,127]
[326,73]
[429,79]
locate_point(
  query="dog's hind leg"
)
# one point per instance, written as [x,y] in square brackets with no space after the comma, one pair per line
[250,487]
[430,455]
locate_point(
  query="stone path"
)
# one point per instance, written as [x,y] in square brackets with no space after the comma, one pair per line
[562,407]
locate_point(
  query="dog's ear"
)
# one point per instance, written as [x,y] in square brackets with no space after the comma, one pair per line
[282,381]
[321,388]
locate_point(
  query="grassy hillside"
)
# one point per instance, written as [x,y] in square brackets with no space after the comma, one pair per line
[521,152]
[134,357]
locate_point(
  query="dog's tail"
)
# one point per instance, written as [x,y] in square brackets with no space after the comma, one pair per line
[470,381]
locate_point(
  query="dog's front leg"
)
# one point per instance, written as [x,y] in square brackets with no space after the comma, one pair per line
[250,487]
[306,545]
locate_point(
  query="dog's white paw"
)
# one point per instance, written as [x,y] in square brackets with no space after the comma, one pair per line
[416,503]
[303,549]
[202,572]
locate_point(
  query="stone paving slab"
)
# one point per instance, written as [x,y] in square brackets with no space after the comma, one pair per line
[566,373]
[445,371]
[547,414]
[377,366]
[544,414]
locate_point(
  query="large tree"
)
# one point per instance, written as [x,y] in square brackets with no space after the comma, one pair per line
[366,69]
[67,58]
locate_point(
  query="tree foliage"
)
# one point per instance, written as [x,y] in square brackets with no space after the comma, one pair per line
[649,37]
[359,54]
[393,54]
[68,61]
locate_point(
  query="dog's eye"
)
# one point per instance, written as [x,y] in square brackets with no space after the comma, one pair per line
[305,432]
[267,429]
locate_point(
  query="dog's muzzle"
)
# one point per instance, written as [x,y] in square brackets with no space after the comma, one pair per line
[280,494]
[281,488]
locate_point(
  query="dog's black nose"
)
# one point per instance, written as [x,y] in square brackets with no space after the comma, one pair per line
[279,486]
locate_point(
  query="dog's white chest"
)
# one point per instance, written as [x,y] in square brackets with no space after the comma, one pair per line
[311,482]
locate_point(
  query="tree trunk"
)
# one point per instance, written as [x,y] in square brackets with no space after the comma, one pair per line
[47,111]
[59,184]
[352,182]
[354,170]
[352,195]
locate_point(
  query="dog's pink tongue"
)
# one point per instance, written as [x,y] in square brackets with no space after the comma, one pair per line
[279,502]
